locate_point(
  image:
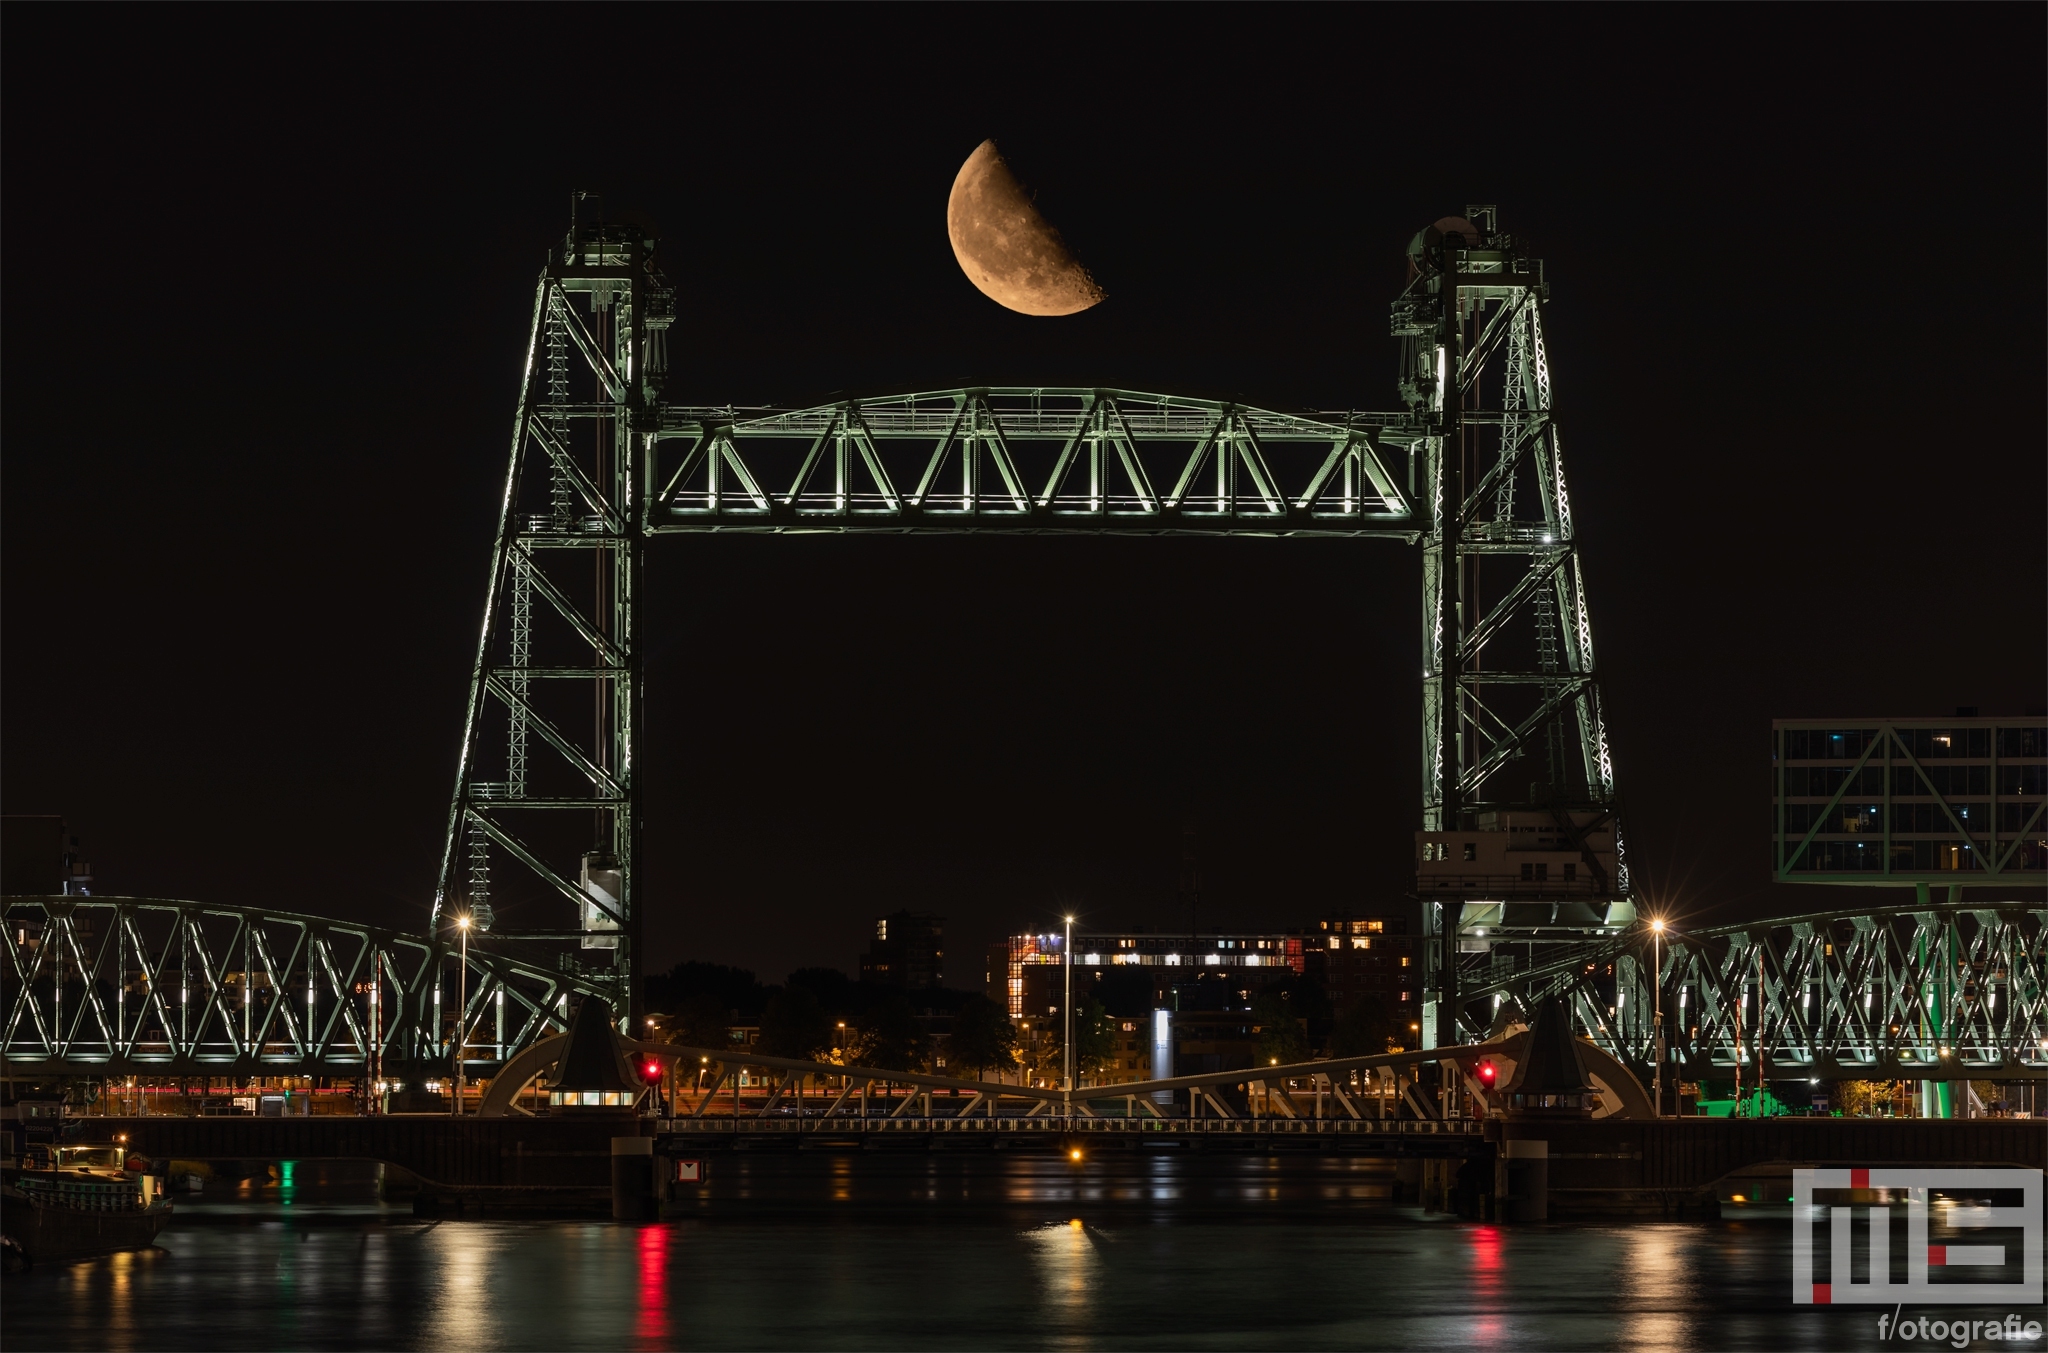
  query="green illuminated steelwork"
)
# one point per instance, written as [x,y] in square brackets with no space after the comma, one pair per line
[1035,459]
[1510,691]
[1922,991]
[544,812]
[599,463]
[122,986]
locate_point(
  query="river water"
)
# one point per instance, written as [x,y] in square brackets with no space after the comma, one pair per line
[940,1251]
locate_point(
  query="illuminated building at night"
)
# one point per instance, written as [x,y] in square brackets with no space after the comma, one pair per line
[1366,957]
[909,950]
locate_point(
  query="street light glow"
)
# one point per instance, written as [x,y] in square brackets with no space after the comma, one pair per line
[1658,925]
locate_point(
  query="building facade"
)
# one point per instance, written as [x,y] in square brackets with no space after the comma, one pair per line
[1359,958]
[1033,981]
[909,950]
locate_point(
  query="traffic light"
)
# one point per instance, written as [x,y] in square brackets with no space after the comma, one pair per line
[650,1071]
[1487,1072]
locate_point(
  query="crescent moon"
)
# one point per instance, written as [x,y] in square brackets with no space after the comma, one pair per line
[1006,248]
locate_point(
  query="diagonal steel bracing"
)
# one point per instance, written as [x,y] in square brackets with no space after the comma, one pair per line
[1911,992]
[105,986]
[1033,459]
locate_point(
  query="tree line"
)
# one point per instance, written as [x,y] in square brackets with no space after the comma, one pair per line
[821,1014]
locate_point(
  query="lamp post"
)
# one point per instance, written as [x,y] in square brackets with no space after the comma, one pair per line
[1067,1007]
[461,1007]
[1657,1013]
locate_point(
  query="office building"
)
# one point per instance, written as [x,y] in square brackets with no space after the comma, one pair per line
[908,950]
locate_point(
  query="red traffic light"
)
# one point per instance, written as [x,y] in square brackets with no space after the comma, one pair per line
[650,1071]
[1487,1072]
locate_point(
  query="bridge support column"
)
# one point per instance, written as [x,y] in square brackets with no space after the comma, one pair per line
[1407,1180]
[633,1179]
[1521,1180]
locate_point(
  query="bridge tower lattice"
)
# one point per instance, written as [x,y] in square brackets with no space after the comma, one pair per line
[544,809]
[1510,690]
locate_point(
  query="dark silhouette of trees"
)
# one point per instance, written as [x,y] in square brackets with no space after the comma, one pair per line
[733,989]
[1094,1039]
[1364,1029]
[1281,1036]
[700,1022]
[983,1038]
[887,1034]
[795,1025]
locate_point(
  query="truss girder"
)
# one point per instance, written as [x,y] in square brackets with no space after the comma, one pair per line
[1037,458]
[1923,991]
[108,986]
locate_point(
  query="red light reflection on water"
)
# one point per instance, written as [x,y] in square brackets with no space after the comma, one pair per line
[1486,1293]
[1486,1254]
[652,1325]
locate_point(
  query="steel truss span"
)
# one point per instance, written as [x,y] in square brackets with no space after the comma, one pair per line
[1031,459]
[1914,992]
[543,830]
[118,986]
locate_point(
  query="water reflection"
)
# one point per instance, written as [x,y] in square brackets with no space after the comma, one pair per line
[1068,1270]
[837,1252]
[1657,1283]
[652,1326]
[466,1309]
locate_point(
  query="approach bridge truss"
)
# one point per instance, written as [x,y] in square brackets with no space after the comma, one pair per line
[1923,992]
[100,987]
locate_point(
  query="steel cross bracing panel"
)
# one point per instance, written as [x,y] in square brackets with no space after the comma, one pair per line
[1512,714]
[1029,459]
[543,830]
[114,986]
[1910,992]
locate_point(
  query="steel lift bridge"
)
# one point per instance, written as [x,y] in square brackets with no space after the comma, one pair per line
[1520,861]
[1470,468]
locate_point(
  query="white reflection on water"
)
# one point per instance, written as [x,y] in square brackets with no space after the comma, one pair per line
[460,1256]
[1657,1284]
[1068,1261]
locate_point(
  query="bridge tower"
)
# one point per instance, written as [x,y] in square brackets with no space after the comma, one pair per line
[543,828]
[1521,845]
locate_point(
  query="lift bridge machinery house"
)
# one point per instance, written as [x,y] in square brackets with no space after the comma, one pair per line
[1520,860]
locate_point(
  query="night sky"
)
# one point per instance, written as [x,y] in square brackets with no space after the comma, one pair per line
[267,279]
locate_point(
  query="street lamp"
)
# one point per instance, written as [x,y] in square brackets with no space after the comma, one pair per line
[1657,1015]
[1067,954]
[461,1007]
